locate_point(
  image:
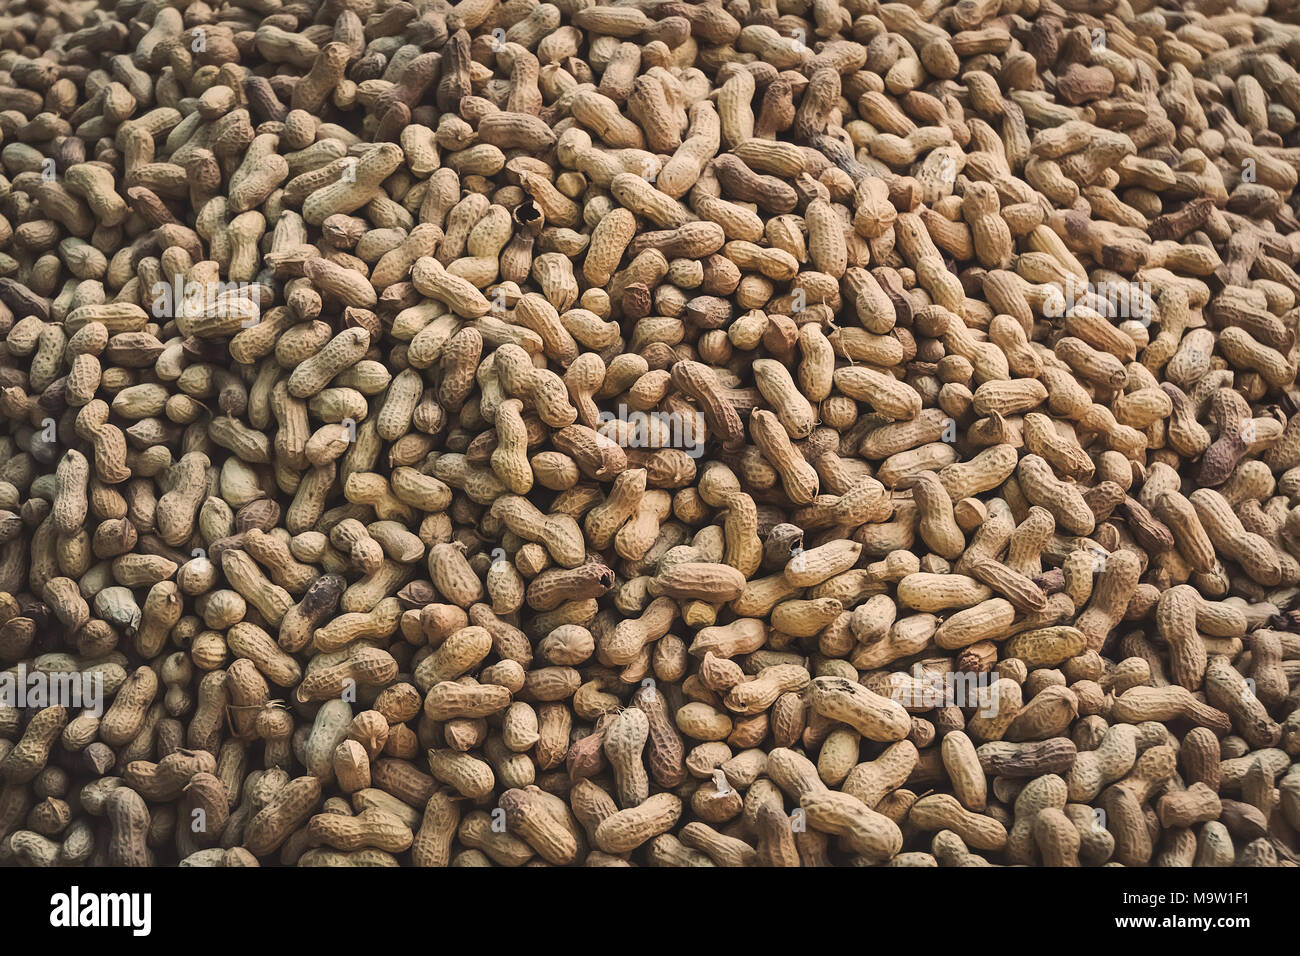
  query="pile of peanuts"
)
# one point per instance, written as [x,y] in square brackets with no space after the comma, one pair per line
[650,433]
